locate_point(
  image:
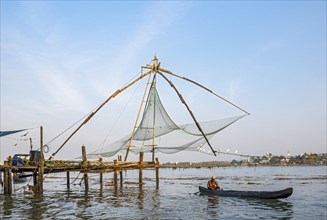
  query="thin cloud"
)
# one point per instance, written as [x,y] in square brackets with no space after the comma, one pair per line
[45,63]
[153,25]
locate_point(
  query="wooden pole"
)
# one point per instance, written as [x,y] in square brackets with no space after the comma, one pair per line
[35,179]
[9,175]
[189,110]
[120,171]
[141,168]
[5,179]
[154,117]
[101,173]
[101,179]
[9,180]
[68,179]
[94,112]
[84,162]
[41,164]
[1,180]
[157,173]
[138,116]
[203,87]
[115,172]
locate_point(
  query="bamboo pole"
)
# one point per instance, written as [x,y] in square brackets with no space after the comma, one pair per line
[5,179]
[68,179]
[84,162]
[157,173]
[101,172]
[141,168]
[189,110]
[120,171]
[138,116]
[203,87]
[115,173]
[93,113]
[9,180]
[1,181]
[34,180]
[41,164]
[9,175]
[154,118]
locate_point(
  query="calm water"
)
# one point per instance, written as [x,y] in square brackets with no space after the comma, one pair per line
[175,198]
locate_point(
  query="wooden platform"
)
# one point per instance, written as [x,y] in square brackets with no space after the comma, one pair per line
[41,167]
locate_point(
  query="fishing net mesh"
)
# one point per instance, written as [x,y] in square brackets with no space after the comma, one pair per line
[158,131]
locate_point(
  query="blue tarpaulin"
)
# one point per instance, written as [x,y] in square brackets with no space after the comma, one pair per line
[5,133]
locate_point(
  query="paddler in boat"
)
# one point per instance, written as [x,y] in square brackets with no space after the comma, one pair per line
[213,184]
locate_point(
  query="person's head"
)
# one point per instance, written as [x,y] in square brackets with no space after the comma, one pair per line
[213,178]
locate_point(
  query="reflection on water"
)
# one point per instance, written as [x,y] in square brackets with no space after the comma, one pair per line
[213,205]
[176,198]
[8,205]
[276,204]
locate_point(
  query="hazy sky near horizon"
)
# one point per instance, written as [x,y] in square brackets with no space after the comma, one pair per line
[61,59]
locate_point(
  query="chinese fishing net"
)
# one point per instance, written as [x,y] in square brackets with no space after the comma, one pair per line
[157,131]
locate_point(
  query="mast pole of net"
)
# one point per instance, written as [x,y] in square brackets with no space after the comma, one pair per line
[138,116]
[154,116]
[203,87]
[189,110]
[93,113]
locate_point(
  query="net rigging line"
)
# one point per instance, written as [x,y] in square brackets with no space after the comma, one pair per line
[173,138]
[188,108]
[203,87]
[113,95]
[121,113]
[85,115]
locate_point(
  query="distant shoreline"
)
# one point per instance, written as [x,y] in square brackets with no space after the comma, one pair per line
[214,164]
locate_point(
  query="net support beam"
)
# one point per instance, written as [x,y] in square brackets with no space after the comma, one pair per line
[189,110]
[93,113]
[137,118]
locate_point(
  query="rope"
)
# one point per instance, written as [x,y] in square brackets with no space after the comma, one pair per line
[121,113]
[189,110]
[68,128]
[75,178]
[203,87]
[84,116]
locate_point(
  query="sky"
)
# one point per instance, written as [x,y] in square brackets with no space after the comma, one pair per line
[61,59]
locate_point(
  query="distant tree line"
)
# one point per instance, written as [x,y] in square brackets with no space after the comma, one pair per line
[306,159]
[311,159]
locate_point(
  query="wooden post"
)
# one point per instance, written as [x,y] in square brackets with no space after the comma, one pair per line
[101,179]
[157,173]
[9,175]
[120,171]
[101,173]
[9,180]
[115,173]
[68,180]
[141,168]
[86,178]
[41,164]
[1,181]
[6,181]
[35,179]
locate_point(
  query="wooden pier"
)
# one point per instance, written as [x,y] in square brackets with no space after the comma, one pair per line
[38,169]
